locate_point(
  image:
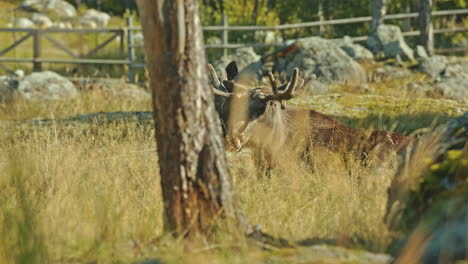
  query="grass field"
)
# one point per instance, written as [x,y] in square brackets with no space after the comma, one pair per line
[89,193]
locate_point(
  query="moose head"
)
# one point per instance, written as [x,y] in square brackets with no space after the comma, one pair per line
[240,106]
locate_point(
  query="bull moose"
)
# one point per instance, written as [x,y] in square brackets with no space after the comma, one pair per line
[260,116]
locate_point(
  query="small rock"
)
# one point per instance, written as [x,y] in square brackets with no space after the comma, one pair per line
[19,73]
[41,20]
[23,22]
[421,52]
[434,66]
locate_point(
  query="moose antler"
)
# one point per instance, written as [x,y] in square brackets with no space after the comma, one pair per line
[217,86]
[288,89]
[215,82]
[288,93]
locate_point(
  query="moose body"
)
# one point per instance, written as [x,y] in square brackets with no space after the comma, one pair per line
[305,130]
[259,116]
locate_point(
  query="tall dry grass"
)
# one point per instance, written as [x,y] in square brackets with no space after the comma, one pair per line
[90,193]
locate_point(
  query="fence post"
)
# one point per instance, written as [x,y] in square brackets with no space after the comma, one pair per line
[225,34]
[130,50]
[37,50]
[407,21]
[122,41]
[378,13]
[425,26]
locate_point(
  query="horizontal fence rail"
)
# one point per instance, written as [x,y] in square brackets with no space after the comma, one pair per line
[331,22]
[127,40]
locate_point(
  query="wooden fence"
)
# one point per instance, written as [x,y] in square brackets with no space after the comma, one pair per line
[126,40]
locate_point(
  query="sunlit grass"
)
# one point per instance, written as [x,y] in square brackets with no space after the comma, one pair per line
[90,192]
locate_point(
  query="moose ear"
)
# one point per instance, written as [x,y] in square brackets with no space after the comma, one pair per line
[232,70]
[229,86]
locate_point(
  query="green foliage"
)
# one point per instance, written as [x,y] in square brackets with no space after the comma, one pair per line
[445,179]
[274,12]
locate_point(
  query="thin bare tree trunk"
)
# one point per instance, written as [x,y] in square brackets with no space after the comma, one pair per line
[194,174]
[321,18]
[378,13]
[425,26]
[255,12]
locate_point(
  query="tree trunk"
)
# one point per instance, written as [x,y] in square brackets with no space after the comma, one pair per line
[378,13]
[255,12]
[194,175]
[321,18]
[425,26]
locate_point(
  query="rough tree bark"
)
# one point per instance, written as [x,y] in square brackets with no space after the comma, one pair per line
[194,175]
[378,12]
[425,26]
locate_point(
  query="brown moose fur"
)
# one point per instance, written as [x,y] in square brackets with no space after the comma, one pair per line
[306,130]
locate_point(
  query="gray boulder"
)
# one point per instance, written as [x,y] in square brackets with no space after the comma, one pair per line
[248,62]
[454,83]
[33,5]
[94,19]
[388,41]
[325,59]
[45,86]
[454,88]
[59,8]
[355,51]
[434,66]
[62,9]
